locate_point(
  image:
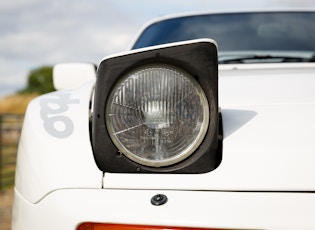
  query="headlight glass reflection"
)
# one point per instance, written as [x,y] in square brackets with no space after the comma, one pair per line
[157,115]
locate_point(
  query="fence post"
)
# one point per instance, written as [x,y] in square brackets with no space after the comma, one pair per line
[0,153]
[10,131]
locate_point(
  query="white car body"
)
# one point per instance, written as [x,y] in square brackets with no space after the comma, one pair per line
[265,179]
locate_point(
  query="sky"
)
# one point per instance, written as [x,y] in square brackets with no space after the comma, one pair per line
[35,33]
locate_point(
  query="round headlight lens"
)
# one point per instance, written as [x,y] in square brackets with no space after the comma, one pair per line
[157,115]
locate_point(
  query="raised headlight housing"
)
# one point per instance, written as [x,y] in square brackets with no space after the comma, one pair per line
[156,110]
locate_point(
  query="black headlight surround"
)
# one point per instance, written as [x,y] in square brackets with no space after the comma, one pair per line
[199,59]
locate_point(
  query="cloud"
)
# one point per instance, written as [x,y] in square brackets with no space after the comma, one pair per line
[16,4]
[292,3]
[35,33]
[74,24]
[41,32]
[12,77]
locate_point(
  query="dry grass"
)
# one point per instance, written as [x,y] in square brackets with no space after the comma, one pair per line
[6,200]
[16,104]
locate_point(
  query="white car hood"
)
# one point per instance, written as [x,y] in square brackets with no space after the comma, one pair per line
[268,113]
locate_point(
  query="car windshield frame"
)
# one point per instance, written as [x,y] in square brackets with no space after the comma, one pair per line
[244,34]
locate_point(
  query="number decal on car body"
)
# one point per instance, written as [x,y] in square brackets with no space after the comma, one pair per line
[56,124]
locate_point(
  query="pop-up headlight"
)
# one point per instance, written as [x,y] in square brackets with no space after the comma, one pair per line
[156,110]
[157,115]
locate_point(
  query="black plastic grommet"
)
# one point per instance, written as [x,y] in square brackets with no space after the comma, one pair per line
[159,199]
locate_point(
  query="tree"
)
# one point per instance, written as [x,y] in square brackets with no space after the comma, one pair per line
[40,81]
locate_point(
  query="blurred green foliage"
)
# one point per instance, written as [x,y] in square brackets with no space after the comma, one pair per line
[40,81]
